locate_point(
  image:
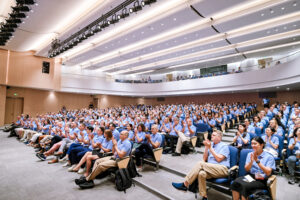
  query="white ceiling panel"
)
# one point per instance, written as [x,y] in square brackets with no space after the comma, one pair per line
[270,44]
[209,7]
[265,14]
[267,32]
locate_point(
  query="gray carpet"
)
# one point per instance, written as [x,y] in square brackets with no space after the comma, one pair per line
[23,176]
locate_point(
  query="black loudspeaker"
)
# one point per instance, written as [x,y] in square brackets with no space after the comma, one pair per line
[160,99]
[46,67]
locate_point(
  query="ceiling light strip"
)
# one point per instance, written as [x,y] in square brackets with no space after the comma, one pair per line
[231,34]
[224,48]
[228,56]
[253,6]
[198,25]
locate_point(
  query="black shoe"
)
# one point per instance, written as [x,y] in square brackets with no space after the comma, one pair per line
[292,180]
[80,180]
[41,156]
[176,154]
[179,186]
[204,198]
[87,184]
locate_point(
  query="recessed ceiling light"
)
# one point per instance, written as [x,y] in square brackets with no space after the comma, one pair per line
[262,14]
[285,28]
[282,8]
[287,89]
[162,24]
[295,25]
[142,32]
[174,19]
[271,11]
[294,4]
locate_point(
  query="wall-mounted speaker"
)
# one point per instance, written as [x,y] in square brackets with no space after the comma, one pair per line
[46,67]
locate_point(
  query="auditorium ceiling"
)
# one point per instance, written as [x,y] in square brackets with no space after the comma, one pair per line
[164,36]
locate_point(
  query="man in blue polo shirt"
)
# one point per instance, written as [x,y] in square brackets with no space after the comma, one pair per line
[215,164]
[153,141]
[121,149]
[188,131]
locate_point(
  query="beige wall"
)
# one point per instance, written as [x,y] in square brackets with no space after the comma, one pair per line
[2,103]
[23,69]
[3,66]
[105,101]
[42,101]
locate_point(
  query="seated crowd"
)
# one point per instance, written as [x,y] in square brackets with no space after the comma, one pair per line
[91,141]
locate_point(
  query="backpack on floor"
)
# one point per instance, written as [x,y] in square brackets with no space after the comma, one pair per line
[259,195]
[132,169]
[123,180]
[194,188]
[185,149]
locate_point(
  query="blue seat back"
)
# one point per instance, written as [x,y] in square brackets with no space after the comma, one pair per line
[243,157]
[281,144]
[162,140]
[233,155]
[258,131]
[202,127]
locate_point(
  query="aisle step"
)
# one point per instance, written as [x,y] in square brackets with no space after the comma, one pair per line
[160,182]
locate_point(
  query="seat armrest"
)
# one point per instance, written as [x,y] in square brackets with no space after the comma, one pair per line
[271,179]
[272,182]
[193,140]
[233,172]
[123,162]
[234,168]
[157,153]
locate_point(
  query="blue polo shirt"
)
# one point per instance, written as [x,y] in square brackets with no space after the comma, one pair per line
[167,126]
[220,148]
[140,135]
[265,158]
[123,146]
[297,146]
[274,140]
[246,137]
[178,127]
[130,135]
[116,134]
[187,132]
[156,138]
[107,144]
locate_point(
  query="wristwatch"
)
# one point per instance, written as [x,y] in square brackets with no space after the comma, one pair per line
[258,161]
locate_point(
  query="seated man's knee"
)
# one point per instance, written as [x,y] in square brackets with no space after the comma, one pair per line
[202,174]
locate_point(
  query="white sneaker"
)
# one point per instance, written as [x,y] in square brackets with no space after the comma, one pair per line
[139,169]
[70,169]
[63,159]
[81,170]
[67,164]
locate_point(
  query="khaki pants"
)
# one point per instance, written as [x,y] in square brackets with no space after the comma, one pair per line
[100,166]
[181,139]
[203,170]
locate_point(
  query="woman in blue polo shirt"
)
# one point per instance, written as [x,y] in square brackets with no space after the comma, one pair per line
[271,142]
[294,147]
[242,138]
[259,164]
